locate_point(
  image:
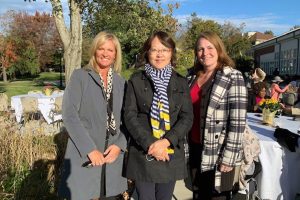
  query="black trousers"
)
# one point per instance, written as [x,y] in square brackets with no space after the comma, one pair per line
[154,191]
[204,182]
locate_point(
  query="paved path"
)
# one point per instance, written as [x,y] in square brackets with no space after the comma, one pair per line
[180,192]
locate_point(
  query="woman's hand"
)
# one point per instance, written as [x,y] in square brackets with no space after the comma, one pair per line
[225,168]
[96,158]
[159,150]
[112,153]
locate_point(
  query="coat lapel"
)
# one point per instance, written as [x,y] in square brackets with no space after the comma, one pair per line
[220,86]
[116,91]
[172,87]
[95,77]
[148,88]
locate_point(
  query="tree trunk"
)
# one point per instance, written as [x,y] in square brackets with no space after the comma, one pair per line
[72,39]
[4,75]
[72,58]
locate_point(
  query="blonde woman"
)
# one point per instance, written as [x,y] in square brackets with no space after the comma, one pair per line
[92,105]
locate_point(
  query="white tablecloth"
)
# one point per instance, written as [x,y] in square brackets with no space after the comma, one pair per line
[45,105]
[280,177]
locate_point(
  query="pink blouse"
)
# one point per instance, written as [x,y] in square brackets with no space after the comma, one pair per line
[258,99]
[276,91]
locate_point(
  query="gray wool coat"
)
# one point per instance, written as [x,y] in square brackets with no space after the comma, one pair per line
[84,115]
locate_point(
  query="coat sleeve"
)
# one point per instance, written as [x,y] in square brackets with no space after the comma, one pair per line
[279,90]
[132,123]
[70,110]
[184,121]
[237,100]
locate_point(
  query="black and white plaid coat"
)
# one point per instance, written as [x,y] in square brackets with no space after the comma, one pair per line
[225,119]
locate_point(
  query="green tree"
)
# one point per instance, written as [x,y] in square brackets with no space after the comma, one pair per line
[7,55]
[195,26]
[294,27]
[71,35]
[185,60]
[27,63]
[38,28]
[131,21]
[269,32]
[244,63]
[235,41]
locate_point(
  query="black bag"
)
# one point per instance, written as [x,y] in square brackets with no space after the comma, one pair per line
[286,138]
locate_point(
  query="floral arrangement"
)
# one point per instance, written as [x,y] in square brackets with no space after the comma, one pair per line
[48,89]
[271,104]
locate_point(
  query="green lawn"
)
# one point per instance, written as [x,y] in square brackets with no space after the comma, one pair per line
[49,76]
[17,87]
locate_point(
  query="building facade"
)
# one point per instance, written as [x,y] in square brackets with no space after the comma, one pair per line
[281,52]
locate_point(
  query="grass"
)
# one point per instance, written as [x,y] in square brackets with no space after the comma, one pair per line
[23,86]
[49,76]
[18,87]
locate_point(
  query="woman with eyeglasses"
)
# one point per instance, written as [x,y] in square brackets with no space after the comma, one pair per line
[158,115]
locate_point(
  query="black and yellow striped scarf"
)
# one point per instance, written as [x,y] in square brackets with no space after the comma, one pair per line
[160,118]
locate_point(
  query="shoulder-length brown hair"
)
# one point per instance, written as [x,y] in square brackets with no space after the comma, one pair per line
[223,58]
[99,40]
[165,39]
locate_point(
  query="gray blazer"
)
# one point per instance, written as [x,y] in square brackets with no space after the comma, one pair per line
[84,115]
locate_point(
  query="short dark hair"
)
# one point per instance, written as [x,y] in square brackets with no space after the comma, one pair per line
[165,39]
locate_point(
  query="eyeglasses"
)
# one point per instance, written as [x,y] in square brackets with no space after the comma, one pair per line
[157,51]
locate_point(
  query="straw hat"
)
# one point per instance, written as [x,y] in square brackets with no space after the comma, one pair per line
[277,79]
[258,75]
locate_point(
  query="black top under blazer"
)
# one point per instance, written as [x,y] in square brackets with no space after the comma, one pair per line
[138,99]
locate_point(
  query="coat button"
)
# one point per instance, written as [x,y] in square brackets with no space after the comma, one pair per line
[216,136]
[144,104]
[145,89]
[217,121]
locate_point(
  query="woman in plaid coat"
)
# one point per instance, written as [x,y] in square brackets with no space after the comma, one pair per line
[219,99]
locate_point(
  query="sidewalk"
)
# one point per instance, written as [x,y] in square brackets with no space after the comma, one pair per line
[180,192]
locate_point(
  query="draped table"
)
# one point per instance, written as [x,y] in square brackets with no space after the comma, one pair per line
[45,105]
[280,176]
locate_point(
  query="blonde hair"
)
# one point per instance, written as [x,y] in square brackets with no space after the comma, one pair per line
[223,58]
[99,40]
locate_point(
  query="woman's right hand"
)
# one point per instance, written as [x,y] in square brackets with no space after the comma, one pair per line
[158,149]
[96,157]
